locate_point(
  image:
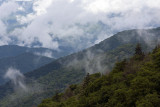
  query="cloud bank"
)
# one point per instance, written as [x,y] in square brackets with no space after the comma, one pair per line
[75,23]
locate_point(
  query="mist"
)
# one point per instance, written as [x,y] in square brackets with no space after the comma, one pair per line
[17,78]
[21,88]
[46,54]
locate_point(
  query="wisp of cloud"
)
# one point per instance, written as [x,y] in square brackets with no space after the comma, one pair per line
[16,77]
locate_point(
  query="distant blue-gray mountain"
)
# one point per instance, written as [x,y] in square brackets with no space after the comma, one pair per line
[14,50]
[24,62]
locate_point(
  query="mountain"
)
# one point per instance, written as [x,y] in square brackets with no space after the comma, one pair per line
[14,50]
[133,82]
[113,49]
[71,69]
[24,62]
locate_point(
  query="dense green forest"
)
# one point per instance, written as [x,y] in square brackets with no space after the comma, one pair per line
[132,82]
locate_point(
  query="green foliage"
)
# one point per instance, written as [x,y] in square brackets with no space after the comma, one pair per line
[58,76]
[86,81]
[131,83]
[156,58]
[138,50]
[150,100]
[139,55]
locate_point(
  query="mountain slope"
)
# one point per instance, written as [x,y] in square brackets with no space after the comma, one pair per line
[24,62]
[99,58]
[131,83]
[149,37]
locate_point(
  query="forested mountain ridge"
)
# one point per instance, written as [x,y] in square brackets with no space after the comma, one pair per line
[132,82]
[71,69]
[115,48]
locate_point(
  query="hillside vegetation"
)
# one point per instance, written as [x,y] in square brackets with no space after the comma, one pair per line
[133,82]
[71,69]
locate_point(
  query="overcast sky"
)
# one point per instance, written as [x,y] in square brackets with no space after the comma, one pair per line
[46,22]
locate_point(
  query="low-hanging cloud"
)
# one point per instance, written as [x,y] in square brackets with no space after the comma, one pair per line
[22,89]
[17,78]
[46,53]
[89,61]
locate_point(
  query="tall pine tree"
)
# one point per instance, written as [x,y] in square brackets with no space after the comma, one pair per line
[86,80]
[139,55]
[85,84]
[138,50]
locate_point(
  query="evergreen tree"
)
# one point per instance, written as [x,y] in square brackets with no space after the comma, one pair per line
[138,50]
[156,48]
[86,81]
[139,55]
[56,97]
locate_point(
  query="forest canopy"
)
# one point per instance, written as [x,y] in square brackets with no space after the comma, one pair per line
[132,82]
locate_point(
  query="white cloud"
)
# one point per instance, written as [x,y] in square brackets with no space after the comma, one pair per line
[25,19]
[21,9]
[2,28]
[23,0]
[71,20]
[7,8]
[40,6]
[16,77]
[113,6]
[47,54]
